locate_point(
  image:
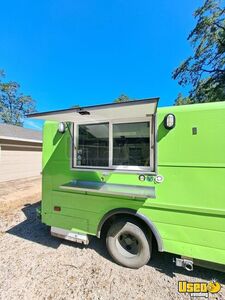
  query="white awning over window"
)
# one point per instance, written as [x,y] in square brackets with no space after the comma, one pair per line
[102,113]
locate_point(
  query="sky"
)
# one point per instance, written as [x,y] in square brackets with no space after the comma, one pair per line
[86,52]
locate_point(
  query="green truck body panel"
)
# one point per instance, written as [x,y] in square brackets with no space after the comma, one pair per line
[188,211]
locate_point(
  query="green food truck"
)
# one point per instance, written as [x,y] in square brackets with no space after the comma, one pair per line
[138,176]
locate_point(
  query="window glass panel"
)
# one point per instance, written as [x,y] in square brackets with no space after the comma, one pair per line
[93,145]
[131,144]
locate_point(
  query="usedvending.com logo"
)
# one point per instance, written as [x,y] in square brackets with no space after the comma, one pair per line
[199,289]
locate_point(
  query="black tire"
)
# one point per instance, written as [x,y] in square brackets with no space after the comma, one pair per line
[129,244]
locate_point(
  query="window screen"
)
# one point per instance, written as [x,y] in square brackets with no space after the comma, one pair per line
[131,144]
[93,145]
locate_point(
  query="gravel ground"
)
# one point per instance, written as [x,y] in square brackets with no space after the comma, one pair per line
[34,265]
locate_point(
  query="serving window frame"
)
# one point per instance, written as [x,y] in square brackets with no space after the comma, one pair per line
[151,169]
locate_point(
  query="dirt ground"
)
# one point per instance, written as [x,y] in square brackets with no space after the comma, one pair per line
[18,192]
[34,265]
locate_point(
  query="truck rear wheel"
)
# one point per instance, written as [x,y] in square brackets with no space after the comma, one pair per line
[128,244]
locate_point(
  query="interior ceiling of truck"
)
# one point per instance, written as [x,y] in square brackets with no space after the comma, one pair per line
[102,113]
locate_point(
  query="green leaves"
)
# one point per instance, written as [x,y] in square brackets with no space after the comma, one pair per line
[205,69]
[13,105]
[122,98]
[180,100]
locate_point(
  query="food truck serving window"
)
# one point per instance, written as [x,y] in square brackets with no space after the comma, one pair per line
[113,136]
[93,145]
[131,144]
[125,146]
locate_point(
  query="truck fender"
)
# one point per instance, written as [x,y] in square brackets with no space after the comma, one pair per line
[138,215]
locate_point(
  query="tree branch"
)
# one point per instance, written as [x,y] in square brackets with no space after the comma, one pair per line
[212,71]
[220,26]
[221,43]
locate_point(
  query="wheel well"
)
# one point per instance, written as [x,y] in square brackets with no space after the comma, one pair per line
[132,215]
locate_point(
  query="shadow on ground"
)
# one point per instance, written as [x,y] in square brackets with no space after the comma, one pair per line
[33,230]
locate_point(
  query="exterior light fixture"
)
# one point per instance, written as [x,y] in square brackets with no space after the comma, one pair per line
[169,121]
[62,127]
[141,177]
[84,112]
[159,178]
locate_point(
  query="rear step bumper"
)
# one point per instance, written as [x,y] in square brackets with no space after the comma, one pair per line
[70,235]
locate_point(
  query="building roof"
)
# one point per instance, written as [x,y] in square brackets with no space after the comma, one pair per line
[12,132]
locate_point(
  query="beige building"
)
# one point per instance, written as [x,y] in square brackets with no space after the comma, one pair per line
[20,152]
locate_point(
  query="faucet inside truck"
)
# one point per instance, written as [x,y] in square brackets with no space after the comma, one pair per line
[138,176]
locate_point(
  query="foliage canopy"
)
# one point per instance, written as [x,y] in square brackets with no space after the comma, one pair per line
[13,105]
[205,69]
[122,98]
